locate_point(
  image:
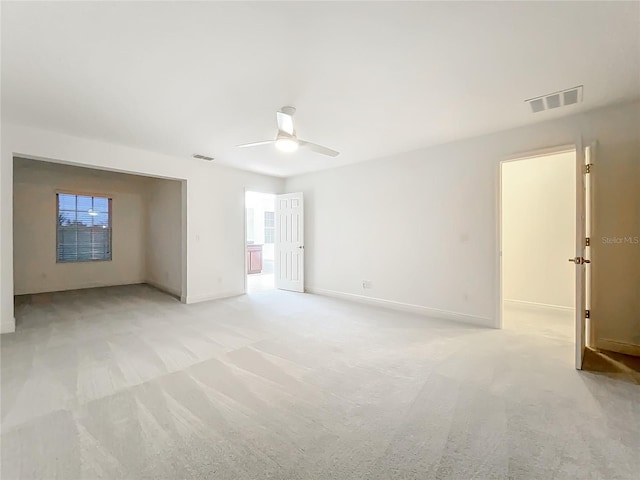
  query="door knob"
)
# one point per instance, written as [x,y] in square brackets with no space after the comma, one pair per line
[579,260]
[301,246]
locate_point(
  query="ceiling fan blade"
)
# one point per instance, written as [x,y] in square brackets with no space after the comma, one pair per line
[319,148]
[255,144]
[285,122]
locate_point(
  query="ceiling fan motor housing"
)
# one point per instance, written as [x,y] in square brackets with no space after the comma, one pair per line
[288,110]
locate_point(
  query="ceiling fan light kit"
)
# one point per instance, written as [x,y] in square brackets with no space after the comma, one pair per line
[286,144]
[287,140]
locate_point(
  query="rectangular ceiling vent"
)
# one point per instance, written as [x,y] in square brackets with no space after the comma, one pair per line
[553,100]
[202,157]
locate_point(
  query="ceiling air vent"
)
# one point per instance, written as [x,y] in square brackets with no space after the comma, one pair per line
[571,96]
[202,157]
[553,100]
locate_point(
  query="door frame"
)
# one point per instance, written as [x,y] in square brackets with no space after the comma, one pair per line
[244,239]
[244,229]
[543,152]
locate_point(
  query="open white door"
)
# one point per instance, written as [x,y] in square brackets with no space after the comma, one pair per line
[581,260]
[289,242]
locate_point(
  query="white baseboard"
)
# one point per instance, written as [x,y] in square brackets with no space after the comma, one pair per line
[537,305]
[406,307]
[8,327]
[164,289]
[70,288]
[616,346]
[208,297]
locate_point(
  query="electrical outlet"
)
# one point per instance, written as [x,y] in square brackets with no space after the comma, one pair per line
[366,284]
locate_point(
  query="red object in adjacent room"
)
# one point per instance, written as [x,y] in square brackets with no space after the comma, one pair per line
[254,258]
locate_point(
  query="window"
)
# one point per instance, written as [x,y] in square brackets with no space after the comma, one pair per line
[250,233]
[269,227]
[83,228]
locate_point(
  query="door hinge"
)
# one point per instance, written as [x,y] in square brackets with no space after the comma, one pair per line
[587,314]
[587,242]
[587,167]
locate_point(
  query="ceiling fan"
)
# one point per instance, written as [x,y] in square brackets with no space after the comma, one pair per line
[286,140]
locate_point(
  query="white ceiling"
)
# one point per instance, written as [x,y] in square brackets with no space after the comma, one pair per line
[369,79]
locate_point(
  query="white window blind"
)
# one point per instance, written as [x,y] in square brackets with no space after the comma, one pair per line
[83,228]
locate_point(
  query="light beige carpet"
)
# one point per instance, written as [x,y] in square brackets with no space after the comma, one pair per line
[128,383]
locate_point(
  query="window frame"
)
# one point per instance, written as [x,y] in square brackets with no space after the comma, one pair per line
[251,234]
[110,224]
[271,228]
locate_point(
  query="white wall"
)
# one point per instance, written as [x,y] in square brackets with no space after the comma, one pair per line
[35,186]
[433,213]
[422,226]
[164,235]
[214,199]
[538,230]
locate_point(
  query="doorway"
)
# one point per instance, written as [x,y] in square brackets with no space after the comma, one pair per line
[260,239]
[538,235]
[77,227]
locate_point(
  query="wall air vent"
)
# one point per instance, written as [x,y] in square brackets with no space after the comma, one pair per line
[553,100]
[202,157]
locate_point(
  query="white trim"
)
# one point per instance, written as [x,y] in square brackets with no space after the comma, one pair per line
[245,287]
[105,168]
[498,237]
[65,191]
[184,240]
[8,327]
[620,347]
[207,297]
[405,307]
[580,270]
[593,252]
[162,288]
[537,305]
[85,286]
[541,152]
